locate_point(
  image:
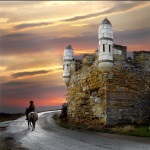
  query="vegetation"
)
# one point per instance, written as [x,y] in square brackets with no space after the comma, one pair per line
[7,117]
[63,114]
[142,131]
[134,130]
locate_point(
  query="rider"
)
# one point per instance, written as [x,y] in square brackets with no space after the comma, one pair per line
[30,109]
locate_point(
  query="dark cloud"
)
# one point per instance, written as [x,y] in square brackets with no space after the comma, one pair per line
[31,88]
[139,36]
[28,43]
[23,74]
[76,18]
[23,43]
[29,25]
[26,90]
[16,109]
[89,15]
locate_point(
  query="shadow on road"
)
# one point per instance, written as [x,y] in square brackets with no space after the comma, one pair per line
[10,141]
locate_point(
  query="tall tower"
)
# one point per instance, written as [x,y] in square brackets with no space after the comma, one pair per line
[68,59]
[105,37]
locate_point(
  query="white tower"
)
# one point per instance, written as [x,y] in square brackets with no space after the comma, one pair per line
[105,37]
[68,59]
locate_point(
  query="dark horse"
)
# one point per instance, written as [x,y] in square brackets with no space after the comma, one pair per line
[32,118]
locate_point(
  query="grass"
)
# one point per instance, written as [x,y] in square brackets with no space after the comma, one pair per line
[133,130]
[141,131]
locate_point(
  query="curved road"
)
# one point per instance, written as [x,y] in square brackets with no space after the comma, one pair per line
[49,136]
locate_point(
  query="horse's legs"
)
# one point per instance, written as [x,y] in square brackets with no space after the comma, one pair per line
[28,123]
[33,127]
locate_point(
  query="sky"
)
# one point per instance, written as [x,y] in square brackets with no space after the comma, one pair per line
[33,36]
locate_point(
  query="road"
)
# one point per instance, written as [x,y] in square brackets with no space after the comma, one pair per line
[49,136]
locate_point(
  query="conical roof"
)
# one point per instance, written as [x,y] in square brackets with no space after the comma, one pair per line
[105,21]
[69,47]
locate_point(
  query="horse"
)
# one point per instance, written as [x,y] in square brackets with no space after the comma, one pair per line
[32,118]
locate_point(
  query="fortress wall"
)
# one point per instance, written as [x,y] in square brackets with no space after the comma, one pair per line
[142,58]
[97,97]
[87,97]
[119,53]
[128,99]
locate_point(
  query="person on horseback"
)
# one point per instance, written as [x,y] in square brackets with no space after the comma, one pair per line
[30,109]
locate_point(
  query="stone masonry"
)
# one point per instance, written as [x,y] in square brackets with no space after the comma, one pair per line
[117,96]
[106,88]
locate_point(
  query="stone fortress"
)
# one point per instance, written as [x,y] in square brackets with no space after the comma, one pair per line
[107,88]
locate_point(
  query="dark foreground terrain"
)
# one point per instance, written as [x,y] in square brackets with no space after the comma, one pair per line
[7,117]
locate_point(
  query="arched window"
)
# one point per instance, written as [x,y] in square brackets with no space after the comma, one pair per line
[67,66]
[109,48]
[103,47]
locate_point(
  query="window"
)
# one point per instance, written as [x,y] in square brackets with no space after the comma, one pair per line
[109,48]
[103,47]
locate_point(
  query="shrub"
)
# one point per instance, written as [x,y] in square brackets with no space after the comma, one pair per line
[64,111]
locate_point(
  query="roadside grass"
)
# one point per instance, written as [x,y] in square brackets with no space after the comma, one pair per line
[133,130]
[141,131]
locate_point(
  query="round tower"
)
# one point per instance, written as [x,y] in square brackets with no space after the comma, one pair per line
[68,59]
[105,37]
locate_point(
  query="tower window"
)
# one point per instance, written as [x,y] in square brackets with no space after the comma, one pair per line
[103,47]
[67,66]
[109,48]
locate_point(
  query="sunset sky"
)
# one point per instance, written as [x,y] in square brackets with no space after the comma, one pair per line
[33,36]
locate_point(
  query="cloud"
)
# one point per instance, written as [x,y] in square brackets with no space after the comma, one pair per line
[23,74]
[29,25]
[76,18]
[118,7]
[23,43]
[18,93]
[39,72]
[22,90]
[133,37]
[17,44]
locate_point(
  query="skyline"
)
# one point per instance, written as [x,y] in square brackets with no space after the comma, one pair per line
[34,35]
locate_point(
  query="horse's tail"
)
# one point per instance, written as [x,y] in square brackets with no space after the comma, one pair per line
[33,116]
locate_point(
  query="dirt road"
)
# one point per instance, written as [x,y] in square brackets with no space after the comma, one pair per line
[49,136]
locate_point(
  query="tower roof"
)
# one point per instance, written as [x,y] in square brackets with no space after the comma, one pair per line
[106,21]
[69,47]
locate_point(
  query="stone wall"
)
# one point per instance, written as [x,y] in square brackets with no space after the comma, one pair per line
[117,96]
[128,99]
[142,58]
[87,97]
[119,53]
